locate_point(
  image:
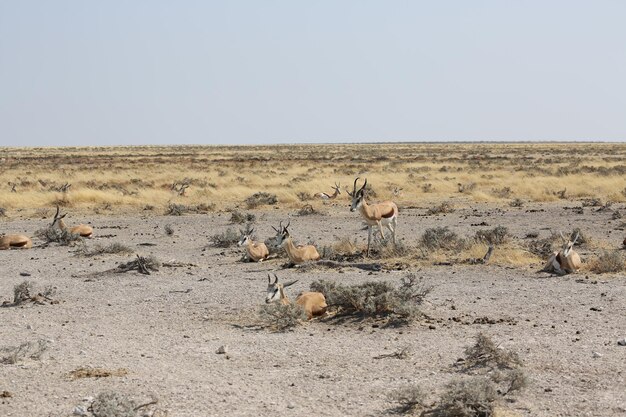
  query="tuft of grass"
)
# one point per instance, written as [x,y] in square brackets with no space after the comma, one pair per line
[226,239]
[281,317]
[260,199]
[28,350]
[607,262]
[518,202]
[174,209]
[113,404]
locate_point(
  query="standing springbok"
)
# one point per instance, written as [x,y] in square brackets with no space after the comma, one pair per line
[15,242]
[82,229]
[325,196]
[381,215]
[255,251]
[313,303]
[565,261]
[297,254]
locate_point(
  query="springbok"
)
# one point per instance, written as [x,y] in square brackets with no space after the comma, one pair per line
[565,261]
[381,215]
[313,303]
[325,196]
[15,242]
[82,229]
[297,254]
[255,251]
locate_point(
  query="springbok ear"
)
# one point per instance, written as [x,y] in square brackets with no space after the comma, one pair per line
[286,284]
[60,217]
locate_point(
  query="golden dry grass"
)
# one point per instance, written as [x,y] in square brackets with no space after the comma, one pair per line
[133,178]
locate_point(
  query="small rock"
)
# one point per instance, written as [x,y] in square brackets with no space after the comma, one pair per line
[29,327]
[432,327]
[24,274]
[596,354]
[80,410]
[622,342]
[291,405]
[221,350]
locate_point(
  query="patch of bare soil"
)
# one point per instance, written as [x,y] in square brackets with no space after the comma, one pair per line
[190,332]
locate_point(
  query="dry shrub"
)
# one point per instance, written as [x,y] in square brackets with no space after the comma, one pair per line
[226,239]
[374,298]
[304,196]
[442,208]
[174,209]
[261,199]
[169,229]
[142,264]
[441,238]
[518,202]
[307,210]
[342,250]
[607,262]
[61,236]
[485,353]
[23,293]
[410,399]
[28,350]
[282,317]
[236,217]
[87,372]
[113,404]
[112,249]
[496,236]
[473,398]
[3,212]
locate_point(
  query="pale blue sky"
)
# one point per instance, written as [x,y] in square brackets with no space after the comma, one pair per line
[246,72]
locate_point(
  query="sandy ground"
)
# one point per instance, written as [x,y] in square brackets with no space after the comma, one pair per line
[165,328]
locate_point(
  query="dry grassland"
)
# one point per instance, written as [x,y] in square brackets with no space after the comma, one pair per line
[126,179]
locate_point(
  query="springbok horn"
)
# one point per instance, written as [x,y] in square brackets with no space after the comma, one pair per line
[576,238]
[287,225]
[354,187]
[276,279]
[562,237]
[269,279]
[57,213]
[364,184]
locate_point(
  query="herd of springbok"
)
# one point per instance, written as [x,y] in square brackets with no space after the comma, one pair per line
[380,215]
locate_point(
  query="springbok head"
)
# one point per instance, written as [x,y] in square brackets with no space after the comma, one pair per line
[274,289]
[246,236]
[58,219]
[282,233]
[357,196]
[568,244]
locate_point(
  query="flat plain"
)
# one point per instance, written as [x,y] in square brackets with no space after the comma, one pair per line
[156,337]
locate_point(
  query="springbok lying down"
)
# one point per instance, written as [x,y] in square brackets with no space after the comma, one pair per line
[15,242]
[565,261]
[297,254]
[82,229]
[255,251]
[313,303]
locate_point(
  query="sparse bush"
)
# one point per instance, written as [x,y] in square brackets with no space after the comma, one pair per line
[442,208]
[375,298]
[112,248]
[282,317]
[441,238]
[517,203]
[607,262]
[411,399]
[473,398]
[467,188]
[485,353]
[61,236]
[385,249]
[142,264]
[174,209]
[260,199]
[113,404]
[22,292]
[504,192]
[169,230]
[496,236]
[304,196]
[28,350]
[236,217]
[226,239]
[427,188]
[307,210]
